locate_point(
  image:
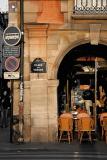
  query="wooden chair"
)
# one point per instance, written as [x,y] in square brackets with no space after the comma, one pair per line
[104,128]
[85,125]
[65,126]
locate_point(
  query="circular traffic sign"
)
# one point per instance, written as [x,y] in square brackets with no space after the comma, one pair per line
[11,64]
[12,35]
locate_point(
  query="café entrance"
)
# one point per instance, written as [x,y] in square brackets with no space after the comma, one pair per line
[82,75]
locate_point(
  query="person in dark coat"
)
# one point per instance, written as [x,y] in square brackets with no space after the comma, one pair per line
[4,109]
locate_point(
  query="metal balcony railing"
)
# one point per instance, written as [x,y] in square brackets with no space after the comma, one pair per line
[90,7]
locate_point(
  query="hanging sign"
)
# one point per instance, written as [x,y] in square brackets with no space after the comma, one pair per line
[12,35]
[11,64]
[38,66]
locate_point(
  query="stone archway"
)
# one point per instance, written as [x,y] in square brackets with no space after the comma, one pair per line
[96,54]
[53,81]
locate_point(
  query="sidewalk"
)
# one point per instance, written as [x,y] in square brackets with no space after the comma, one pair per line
[98,146]
[5,145]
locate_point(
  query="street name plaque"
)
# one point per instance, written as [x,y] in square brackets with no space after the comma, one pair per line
[38,66]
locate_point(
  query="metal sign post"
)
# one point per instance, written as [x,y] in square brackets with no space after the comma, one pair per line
[11,117]
[21,102]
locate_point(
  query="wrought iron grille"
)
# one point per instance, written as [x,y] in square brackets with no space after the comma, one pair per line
[93,7]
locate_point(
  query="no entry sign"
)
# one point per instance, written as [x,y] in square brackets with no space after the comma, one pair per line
[12,35]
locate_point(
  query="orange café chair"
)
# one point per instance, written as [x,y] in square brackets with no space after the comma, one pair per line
[65,126]
[104,128]
[85,125]
[103,123]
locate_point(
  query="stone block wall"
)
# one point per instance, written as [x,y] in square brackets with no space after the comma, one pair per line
[51,42]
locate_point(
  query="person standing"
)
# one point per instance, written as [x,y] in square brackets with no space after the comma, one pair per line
[88,99]
[4,109]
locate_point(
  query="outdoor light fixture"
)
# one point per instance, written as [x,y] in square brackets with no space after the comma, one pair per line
[12,6]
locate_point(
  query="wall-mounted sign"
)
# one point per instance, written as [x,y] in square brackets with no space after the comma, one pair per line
[11,51]
[12,35]
[38,66]
[11,64]
[11,75]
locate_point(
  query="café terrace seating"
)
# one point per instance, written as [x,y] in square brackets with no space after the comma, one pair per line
[84,127]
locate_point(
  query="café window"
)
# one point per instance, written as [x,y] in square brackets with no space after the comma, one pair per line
[93,7]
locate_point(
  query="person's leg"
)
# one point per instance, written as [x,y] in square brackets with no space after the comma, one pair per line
[5,117]
[2,118]
[87,105]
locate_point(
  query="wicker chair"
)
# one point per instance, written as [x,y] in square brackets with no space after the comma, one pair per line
[85,125]
[65,126]
[104,128]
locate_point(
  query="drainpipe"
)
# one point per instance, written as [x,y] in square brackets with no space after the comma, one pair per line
[21,101]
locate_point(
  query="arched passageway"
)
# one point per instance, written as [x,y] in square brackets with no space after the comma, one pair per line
[82,69]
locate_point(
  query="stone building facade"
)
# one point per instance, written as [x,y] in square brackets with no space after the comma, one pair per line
[52,28]
[3,25]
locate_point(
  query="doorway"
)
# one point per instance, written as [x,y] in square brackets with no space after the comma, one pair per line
[83,72]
